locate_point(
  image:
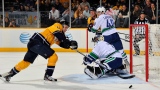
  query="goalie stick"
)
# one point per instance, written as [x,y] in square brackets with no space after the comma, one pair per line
[123,76]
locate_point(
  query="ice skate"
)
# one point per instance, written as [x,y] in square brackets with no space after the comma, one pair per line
[49,78]
[6,76]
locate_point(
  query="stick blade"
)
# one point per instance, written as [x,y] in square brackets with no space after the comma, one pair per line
[126,76]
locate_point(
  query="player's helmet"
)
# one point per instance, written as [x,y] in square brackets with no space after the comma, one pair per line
[101,9]
[63,22]
[58,25]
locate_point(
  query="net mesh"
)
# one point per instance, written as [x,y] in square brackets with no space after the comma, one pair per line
[139,61]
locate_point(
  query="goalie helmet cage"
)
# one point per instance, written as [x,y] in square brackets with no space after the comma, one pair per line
[146,64]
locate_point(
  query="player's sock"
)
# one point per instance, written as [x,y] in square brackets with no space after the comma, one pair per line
[49,72]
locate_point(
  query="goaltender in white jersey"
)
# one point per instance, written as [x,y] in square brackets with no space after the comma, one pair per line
[107,25]
[106,54]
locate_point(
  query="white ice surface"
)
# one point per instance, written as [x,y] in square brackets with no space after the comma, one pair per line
[69,72]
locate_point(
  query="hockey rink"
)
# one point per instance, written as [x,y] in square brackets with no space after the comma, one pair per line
[68,71]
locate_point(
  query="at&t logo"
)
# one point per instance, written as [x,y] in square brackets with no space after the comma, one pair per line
[24,37]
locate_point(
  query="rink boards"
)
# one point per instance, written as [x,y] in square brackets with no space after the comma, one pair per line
[15,39]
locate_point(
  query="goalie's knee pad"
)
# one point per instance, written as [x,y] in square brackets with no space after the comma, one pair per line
[93,72]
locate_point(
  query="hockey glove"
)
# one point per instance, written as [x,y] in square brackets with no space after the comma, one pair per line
[74,45]
[65,44]
[89,27]
[86,61]
[95,39]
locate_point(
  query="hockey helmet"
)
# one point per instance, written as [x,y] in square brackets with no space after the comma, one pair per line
[63,22]
[101,9]
[58,25]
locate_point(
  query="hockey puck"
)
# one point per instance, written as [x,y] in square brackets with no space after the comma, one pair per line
[130,86]
[55,80]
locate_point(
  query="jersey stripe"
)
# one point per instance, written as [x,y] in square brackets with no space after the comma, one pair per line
[140,29]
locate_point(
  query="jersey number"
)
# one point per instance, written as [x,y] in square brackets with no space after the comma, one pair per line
[110,22]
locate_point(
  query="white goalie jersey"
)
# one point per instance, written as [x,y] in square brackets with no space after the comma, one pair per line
[103,49]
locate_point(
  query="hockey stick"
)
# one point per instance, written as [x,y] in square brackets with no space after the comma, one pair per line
[123,76]
[125,40]
[91,59]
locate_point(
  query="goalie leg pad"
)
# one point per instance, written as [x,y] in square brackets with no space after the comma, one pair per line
[93,72]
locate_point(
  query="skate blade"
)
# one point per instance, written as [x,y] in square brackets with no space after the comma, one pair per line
[4,80]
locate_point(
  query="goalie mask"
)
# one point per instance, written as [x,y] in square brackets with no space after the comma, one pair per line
[97,38]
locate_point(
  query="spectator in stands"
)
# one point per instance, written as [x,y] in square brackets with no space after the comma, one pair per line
[12,23]
[86,12]
[21,8]
[78,16]
[92,17]
[16,4]
[123,2]
[54,14]
[112,2]
[135,13]
[12,9]
[66,13]
[140,3]
[41,5]
[59,6]
[75,4]
[123,17]
[7,22]
[117,6]
[30,2]
[84,3]
[116,9]
[47,5]
[105,3]
[27,8]
[52,2]
[65,3]
[147,10]
[154,13]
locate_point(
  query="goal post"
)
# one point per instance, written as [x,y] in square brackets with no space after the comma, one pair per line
[147,64]
[146,48]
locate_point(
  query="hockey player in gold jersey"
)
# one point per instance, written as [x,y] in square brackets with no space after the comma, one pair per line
[39,44]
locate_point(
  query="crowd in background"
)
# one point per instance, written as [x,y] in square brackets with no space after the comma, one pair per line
[81,10]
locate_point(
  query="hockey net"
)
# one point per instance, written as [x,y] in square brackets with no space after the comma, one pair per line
[147,64]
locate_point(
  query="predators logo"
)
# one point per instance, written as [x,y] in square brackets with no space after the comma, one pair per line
[31,19]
